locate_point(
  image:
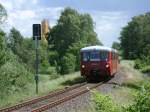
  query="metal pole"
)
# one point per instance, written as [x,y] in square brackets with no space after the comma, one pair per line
[36,65]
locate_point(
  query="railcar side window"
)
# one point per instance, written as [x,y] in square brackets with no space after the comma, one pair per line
[113,56]
[86,56]
[103,55]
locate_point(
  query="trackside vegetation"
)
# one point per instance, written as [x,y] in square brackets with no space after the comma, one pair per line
[135,41]
[133,95]
[104,103]
[58,56]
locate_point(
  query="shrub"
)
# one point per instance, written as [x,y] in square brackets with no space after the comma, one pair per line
[143,64]
[51,70]
[138,64]
[142,100]
[68,63]
[13,76]
[2,47]
[146,69]
[104,103]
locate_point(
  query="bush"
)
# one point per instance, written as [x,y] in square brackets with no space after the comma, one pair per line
[13,76]
[143,64]
[142,100]
[104,103]
[139,64]
[146,69]
[2,47]
[68,63]
[51,70]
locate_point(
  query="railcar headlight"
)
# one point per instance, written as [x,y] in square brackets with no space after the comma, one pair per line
[83,66]
[107,66]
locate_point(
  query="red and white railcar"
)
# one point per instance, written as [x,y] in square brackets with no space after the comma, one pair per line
[98,62]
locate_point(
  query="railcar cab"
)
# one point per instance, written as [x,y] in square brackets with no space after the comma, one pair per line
[96,61]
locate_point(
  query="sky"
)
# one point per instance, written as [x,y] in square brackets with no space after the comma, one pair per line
[109,16]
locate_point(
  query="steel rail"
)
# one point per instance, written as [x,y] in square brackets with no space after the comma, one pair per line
[64,99]
[39,99]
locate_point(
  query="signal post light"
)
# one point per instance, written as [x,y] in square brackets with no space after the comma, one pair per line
[36,37]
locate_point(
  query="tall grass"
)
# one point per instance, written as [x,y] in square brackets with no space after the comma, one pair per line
[45,86]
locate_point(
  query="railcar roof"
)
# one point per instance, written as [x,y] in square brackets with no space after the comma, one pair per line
[97,48]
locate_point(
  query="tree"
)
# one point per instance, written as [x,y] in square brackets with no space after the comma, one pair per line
[3,14]
[2,47]
[116,45]
[88,35]
[43,52]
[68,63]
[72,32]
[66,31]
[15,41]
[135,37]
[75,50]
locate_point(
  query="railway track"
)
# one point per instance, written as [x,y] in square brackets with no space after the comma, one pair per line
[53,99]
[39,99]
[78,92]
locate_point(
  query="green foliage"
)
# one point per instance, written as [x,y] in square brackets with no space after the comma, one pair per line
[104,103]
[142,100]
[72,32]
[53,57]
[75,50]
[66,31]
[135,37]
[51,70]
[13,76]
[135,41]
[28,54]
[143,64]
[138,64]
[44,62]
[3,14]
[22,47]
[116,45]
[146,69]
[13,73]
[68,63]
[15,41]
[2,47]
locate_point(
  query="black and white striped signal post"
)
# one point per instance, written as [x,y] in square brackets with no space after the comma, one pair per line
[36,38]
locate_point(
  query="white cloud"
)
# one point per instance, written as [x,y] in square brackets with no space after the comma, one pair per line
[34,1]
[23,19]
[22,14]
[108,25]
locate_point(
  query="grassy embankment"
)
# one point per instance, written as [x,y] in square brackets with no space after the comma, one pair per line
[129,95]
[45,86]
[133,80]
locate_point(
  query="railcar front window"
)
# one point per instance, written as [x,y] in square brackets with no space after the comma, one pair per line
[86,56]
[103,55]
[94,56]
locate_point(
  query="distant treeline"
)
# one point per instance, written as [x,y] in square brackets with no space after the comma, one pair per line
[135,41]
